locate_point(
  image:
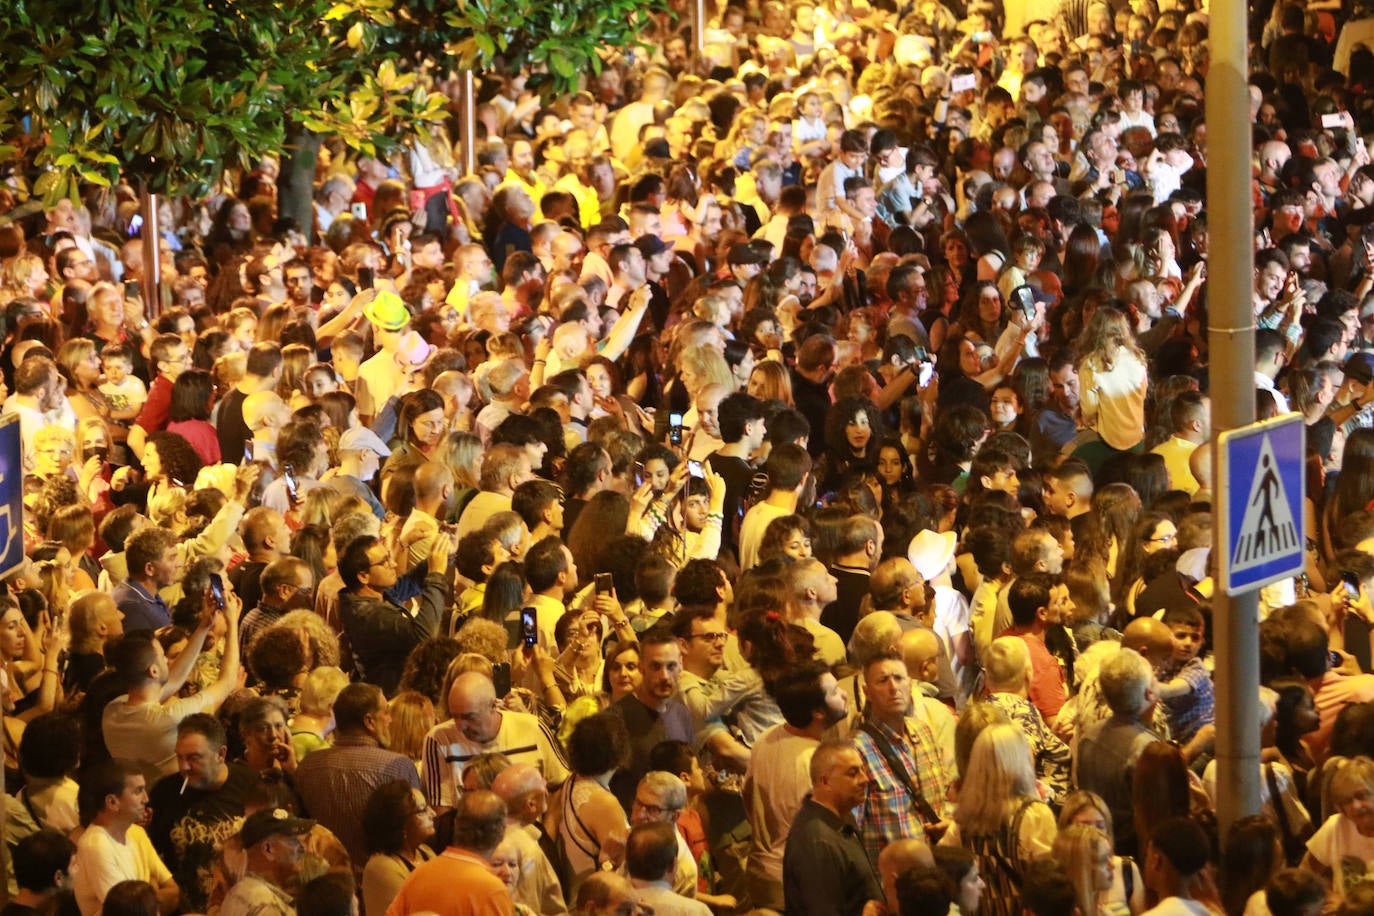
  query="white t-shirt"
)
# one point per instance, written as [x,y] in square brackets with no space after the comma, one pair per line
[1341,848]
[776,783]
[102,862]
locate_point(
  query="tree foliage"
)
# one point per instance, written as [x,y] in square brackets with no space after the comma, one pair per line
[170,92]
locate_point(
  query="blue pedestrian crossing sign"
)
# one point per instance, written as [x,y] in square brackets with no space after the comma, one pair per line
[1260,498]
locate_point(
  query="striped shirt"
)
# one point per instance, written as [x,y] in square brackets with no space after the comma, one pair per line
[521,737]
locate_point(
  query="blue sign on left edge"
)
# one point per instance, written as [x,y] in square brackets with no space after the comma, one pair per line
[11,495]
[1260,494]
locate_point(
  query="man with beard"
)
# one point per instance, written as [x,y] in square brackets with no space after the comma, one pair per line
[198,808]
[1056,424]
[779,777]
[336,782]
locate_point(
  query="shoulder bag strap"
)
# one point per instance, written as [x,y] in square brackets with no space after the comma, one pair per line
[899,770]
[569,809]
[1276,800]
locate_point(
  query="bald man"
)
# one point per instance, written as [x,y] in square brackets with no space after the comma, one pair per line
[1008,672]
[897,587]
[898,858]
[920,650]
[1153,640]
[522,787]
[433,490]
[478,725]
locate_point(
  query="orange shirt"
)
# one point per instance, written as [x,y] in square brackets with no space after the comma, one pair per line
[454,883]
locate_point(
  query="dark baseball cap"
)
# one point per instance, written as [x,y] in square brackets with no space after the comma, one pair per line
[650,245]
[270,822]
[744,253]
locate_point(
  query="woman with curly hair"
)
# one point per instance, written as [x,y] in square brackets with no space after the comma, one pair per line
[426,665]
[321,641]
[853,429]
[590,823]
[169,461]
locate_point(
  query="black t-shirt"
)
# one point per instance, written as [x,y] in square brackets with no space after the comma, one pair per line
[189,826]
[231,428]
[842,614]
[813,402]
[247,581]
[738,474]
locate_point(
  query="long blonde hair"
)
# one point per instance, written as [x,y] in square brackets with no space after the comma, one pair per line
[1000,775]
[709,366]
[1078,848]
[1105,336]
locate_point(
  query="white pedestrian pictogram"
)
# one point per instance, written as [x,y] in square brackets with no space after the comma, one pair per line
[1268,530]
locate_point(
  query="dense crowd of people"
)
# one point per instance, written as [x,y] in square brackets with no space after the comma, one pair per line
[775,483]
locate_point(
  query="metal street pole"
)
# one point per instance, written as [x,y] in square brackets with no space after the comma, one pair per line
[1231,343]
[698,32]
[152,266]
[467,123]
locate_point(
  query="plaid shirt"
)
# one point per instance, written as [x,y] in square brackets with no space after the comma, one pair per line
[888,812]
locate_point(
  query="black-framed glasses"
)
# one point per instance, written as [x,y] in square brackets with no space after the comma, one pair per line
[711,637]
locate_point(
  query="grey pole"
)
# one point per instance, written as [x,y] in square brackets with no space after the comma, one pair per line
[1231,342]
[467,125]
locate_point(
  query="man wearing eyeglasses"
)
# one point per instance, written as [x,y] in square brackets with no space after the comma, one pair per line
[287,584]
[659,799]
[171,357]
[380,631]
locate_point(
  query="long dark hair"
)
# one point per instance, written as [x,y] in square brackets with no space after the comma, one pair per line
[412,406]
[384,818]
[191,396]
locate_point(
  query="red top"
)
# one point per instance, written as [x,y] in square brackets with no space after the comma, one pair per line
[1047,689]
[202,437]
[153,416]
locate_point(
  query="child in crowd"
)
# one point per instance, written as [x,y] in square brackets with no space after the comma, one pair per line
[124,390]
[678,758]
[1186,687]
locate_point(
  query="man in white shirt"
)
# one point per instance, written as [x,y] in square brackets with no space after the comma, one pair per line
[779,774]
[477,726]
[113,800]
